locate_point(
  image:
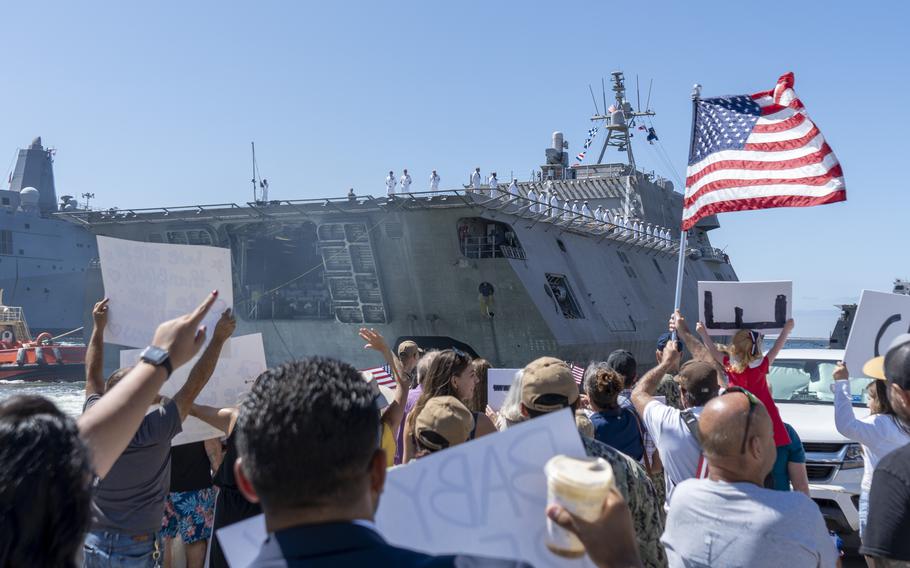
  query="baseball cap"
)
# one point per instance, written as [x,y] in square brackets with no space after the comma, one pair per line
[894,365]
[547,376]
[665,338]
[443,422]
[698,377]
[384,395]
[408,347]
[623,362]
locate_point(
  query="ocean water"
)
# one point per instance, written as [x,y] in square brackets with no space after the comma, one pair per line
[70,396]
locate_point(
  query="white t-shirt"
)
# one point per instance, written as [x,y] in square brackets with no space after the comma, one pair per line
[679,451]
[715,523]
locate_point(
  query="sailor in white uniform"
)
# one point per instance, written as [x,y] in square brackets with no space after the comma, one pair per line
[390,183]
[554,205]
[493,182]
[513,189]
[599,213]
[405,182]
[586,211]
[476,180]
[434,181]
[543,205]
[532,196]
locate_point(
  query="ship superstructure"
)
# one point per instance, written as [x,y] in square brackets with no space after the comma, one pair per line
[503,272]
[44,260]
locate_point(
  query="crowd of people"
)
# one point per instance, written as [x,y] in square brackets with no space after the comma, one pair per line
[706,473]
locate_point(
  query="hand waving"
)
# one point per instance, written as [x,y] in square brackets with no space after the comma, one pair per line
[374,339]
[840,372]
[182,336]
[225,327]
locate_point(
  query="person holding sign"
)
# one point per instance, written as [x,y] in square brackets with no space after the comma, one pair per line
[880,433]
[747,368]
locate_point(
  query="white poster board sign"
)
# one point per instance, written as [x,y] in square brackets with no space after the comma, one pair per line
[234,374]
[498,383]
[725,307]
[149,283]
[487,497]
[880,317]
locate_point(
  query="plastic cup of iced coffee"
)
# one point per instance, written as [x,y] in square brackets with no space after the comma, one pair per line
[580,486]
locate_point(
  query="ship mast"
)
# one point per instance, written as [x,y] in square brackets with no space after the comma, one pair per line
[616,122]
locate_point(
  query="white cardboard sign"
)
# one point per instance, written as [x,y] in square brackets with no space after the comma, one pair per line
[880,317]
[234,374]
[725,307]
[498,383]
[149,283]
[487,497]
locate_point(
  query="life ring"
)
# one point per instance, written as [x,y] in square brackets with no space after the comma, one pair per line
[43,337]
[7,336]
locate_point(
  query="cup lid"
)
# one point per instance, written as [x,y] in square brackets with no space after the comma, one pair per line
[585,473]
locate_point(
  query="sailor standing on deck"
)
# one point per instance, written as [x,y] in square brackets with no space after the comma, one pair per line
[434,181]
[405,182]
[493,182]
[532,195]
[476,180]
[390,183]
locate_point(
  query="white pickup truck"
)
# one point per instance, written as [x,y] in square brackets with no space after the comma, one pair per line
[801,381]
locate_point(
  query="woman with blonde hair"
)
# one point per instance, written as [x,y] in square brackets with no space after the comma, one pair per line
[747,368]
[479,402]
[451,373]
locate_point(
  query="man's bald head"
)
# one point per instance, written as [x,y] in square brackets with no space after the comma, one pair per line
[724,424]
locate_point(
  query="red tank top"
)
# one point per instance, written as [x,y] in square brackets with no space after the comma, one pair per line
[754,380]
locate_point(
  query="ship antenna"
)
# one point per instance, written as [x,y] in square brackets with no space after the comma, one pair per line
[648,102]
[253,180]
[596,110]
[603,93]
[637,94]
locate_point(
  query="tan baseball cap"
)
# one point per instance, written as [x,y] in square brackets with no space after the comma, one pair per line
[408,348]
[547,376]
[444,422]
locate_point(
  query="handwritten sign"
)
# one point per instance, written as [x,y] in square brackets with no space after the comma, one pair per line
[879,318]
[234,374]
[498,383]
[725,307]
[486,497]
[149,283]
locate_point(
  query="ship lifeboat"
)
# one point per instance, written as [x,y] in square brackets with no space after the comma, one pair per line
[23,358]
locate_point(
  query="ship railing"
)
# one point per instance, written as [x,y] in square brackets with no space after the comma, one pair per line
[10,314]
[716,254]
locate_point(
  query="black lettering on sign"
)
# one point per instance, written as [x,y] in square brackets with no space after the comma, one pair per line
[501,387]
[893,319]
[780,316]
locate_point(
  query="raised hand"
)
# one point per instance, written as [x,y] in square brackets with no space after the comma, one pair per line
[182,337]
[225,326]
[670,354]
[374,339]
[701,329]
[99,313]
[788,327]
[840,372]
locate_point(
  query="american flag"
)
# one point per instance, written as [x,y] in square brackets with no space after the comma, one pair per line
[382,375]
[757,152]
[578,373]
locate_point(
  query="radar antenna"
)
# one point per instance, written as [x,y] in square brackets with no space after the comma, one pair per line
[617,119]
[260,186]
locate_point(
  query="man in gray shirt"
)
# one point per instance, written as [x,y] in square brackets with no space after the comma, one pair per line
[128,503]
[729,519]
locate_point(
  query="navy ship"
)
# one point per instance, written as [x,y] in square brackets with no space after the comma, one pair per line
[44,260]
[575,262]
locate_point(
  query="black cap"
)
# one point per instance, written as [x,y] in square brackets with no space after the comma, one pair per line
[665,338]
[623,362]
[897,362]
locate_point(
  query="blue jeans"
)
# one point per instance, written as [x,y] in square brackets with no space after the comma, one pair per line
[104,549]
[863,512]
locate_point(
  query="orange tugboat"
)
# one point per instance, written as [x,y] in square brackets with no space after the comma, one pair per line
[23,358]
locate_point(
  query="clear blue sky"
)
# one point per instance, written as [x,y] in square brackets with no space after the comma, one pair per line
[156,103]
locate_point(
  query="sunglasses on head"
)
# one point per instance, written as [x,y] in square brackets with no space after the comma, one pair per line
[459,353]
[753,402]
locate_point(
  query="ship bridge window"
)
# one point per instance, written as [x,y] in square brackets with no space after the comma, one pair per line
[190,237]
[6,241]
[560,291]
[482,238]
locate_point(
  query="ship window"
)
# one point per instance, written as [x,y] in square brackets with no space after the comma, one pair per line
[176,237]
[560,291]
[482,238]
[6,241]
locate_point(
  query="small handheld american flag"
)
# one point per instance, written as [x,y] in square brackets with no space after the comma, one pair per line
[382,376]
[758,152]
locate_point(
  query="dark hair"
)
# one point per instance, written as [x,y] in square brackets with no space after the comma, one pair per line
[45,484]
[623,362]
[550,400]
[307,432]
[879,391]
[115,378]
[438,382]
[603,387]
[479,404]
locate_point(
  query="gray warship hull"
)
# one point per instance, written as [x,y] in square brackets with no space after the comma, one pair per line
[308,274]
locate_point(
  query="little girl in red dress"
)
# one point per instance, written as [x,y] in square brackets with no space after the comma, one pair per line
[747,368]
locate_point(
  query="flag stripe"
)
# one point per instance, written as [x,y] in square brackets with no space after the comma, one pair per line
[778,125]
[807,160]
[812,174]
[782,144]
[729,197]
[797,132]
[773,201]
[767,157]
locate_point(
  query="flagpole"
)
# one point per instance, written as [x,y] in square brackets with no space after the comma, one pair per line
[680,269]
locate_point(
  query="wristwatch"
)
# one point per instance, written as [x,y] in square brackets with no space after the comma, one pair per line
[157,357]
